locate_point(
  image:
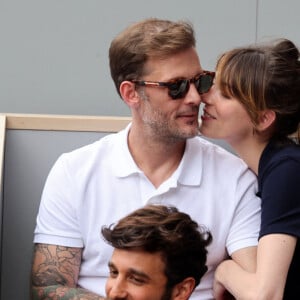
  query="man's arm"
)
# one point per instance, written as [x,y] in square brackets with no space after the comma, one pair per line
[55,271]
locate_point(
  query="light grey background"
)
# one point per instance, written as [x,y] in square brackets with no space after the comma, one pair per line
[29,155]
[54,53]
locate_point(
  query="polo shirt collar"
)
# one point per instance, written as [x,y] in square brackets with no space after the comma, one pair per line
[124,165]
[189,171]
[190,168]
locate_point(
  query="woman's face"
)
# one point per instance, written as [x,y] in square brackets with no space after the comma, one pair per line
[224,117]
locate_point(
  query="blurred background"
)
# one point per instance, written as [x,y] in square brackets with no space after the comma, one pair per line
[54,53]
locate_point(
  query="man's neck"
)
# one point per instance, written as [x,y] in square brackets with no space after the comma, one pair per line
[158,159]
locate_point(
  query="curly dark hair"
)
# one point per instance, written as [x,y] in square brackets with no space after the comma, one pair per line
[163,229]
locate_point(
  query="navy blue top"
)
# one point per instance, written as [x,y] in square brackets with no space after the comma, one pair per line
[279,189]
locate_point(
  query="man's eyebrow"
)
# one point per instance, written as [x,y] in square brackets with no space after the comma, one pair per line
[111,265]
[131,271]
[138,273]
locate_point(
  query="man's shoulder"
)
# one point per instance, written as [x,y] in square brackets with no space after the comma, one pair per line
[212,147]
[94,153]
[103,144]
[215,153]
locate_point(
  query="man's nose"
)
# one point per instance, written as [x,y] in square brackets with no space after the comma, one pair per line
[118,291]
[192,95]
[206,98]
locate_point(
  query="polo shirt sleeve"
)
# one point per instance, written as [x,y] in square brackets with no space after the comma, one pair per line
[281,198]
[245,223]
[57,222]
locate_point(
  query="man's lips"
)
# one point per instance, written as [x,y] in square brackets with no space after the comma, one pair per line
[188,114]
[188,117]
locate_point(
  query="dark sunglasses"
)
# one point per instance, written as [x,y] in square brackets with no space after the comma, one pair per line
[179,88]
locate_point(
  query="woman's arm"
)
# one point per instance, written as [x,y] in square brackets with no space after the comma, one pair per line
[274,255]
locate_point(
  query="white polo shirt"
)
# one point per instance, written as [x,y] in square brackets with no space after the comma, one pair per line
[100,183]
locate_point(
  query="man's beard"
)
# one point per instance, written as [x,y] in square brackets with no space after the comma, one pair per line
[167,294]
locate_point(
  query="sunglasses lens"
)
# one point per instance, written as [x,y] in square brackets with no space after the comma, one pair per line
[204,83]
[178,89]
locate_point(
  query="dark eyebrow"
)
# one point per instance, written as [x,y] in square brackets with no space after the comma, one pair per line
[138,273]
[131,271]
[111,265]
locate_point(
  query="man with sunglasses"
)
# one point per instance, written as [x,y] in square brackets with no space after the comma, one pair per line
[158,159]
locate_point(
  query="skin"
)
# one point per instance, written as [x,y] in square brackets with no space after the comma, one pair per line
[226,118]
[217,120]
[136,275]
[163,117]
[55,271]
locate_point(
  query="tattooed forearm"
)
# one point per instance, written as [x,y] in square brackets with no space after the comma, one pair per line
[54,265]
[63,293]
[55,271]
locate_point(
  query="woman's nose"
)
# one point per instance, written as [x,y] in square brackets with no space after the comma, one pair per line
[207,97]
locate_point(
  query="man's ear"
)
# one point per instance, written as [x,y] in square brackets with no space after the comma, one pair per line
[183,289]
[266,119]
[129,93]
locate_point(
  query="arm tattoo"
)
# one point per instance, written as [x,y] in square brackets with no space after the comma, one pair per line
[55,274]
[64,293]
[58,267]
